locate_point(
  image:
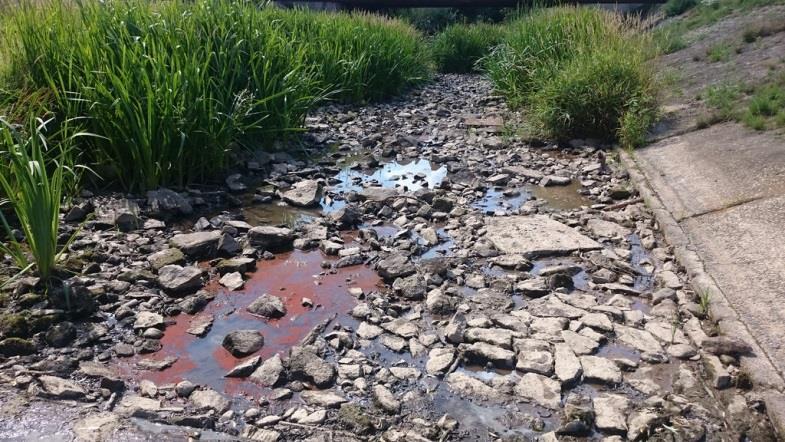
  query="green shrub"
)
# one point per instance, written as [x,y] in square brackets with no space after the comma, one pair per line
[668,41]
[719,52]
[458,48]
[579,71]
[678,7]
[723,99]
[590,95]
[434,20]
[766,107]
[34,179]
[173,87]
[357,57]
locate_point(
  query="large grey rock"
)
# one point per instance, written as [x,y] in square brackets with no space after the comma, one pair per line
[439,360]
[724,345]
[232,281]
[166,257]
[579,344]
[270,373]
[540,389]
[272,239]
[60,335]
[534,356]
[96,427]
[267,306]
[567,365]
[482,352]
[243,342]
[536,236]
[326,399]
[599,369]
[464,384]
[607,229]
[385,399]
[401,327]
[165,203]
[494,336]
[197,244]
[61,388]
[137,406]
[641,340]
[305,193]
[411,287]
[378,194]
[123,214]
[395,266]
[107,377]
[244,368]
[305,364]
[209,399]
[148,320]
[177,280]
[611,412]
[553,307]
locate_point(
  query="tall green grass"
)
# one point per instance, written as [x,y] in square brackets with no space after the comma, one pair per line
[173,87]
[580,72]
[458,48]
[357,57]
[34,179]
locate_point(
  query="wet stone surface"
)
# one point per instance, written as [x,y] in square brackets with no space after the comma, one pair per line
[415,276]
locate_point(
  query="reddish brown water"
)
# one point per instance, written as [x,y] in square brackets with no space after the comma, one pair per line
[291,276]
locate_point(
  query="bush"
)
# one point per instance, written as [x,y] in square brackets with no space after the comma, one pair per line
[591,96]
[580,72]
[678,7]
[34,179]
[434,20]
[357,57]
[173,87]
[458,48]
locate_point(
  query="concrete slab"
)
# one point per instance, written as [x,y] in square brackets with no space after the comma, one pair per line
[742,248]
[714,168]
[535,236]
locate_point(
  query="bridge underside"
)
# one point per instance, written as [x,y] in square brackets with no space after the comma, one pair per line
[377,4]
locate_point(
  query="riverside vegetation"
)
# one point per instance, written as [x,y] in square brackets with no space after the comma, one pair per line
[364,278]
[178,90]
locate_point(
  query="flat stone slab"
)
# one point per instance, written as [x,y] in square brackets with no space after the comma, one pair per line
[536,236]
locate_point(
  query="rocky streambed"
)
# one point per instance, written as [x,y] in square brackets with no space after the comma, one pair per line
[409,271]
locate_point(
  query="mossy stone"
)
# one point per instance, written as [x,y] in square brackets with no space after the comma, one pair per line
[16,347]
[14,325]
[355,418]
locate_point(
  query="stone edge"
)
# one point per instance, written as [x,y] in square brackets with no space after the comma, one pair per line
[767,381]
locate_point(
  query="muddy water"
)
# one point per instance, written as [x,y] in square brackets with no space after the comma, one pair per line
[277,215]
[291,276]
[502,200]
[562,197]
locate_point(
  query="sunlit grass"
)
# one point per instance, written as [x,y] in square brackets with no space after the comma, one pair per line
[580,72]
[174,87]
[458,48]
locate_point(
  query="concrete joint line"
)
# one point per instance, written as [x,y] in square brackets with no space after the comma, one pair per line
[767,379]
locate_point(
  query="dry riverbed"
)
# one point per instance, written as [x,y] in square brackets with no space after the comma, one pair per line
[422,276]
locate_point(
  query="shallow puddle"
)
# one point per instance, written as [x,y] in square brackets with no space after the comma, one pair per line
[562,197]
[639,255]
[580,278]
[277,215]
[502,201]
[409,176]
[291,276]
